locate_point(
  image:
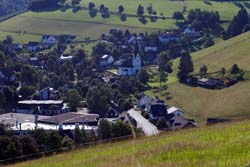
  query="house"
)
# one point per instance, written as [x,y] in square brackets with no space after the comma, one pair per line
[143,101]
[169,37]
[176,122]
[106,60]
[33,46]
[175,111]
[156,110]
[34,61]
[49,39]
[48,94]
[189,31]
[72,119]
[7,75]
[43,107]
[130,66]
[16,46]
[65,57]
[150,49]
[210,83]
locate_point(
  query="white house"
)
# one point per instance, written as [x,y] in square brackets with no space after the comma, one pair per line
[175,111]
[130,66]
[179,122]
[106,60]
[65,58]
[49,39]
[191,32]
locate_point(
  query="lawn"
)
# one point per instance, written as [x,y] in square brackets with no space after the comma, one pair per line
[20,37]
[225,145]
[82,25]
[200,103]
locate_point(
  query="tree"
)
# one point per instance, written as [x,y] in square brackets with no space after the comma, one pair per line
[2,99]
[246,28]
[143,76]
[209,42]
[28,145]
[140,10]
[164,62]
[185,66]
[162,123]
[67,142]
[73,99]
[120,9]
[27,91]
[54,140]
[163,76]
[78,136]
[178,16]
[235,69]
[203,71]
[120,129]
[9,40]
[105,129]
[123,17]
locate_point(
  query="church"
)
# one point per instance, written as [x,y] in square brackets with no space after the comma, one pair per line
[131,65]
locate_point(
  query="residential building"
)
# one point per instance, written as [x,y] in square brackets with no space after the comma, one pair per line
[106,60]
[130,66]
[175,111]
[49,39]
[33,46]
[43,107]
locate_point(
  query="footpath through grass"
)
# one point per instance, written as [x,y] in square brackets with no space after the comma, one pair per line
[224,145]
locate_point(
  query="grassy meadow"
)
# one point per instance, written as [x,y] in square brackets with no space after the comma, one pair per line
[200,103]
[224,145]
[81,24]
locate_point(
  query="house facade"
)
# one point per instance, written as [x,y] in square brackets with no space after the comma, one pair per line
[131,66]
[106,60]
[49,40]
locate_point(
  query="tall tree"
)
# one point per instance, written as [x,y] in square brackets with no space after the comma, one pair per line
[73,99]
[185,66]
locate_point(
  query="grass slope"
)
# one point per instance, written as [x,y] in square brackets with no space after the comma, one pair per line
[201,103]
[81,24]
[225,145]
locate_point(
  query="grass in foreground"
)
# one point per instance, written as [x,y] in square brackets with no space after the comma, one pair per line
[225,145]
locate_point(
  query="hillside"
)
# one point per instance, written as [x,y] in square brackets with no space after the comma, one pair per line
[201,103]
[80,23]
[225,145]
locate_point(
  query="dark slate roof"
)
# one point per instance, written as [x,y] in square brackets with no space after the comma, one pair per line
[33,43]
[70,118]
[127,63]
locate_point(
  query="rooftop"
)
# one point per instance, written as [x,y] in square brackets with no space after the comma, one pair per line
[70,118]
[41,102]
[13,118]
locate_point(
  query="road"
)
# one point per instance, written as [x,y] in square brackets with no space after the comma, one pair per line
[147,127]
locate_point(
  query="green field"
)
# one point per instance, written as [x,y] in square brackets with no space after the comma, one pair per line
[82,25]
[200,103]
[225,145]
[20,37]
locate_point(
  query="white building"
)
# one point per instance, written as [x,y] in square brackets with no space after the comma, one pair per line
[106,60]
[175,111]
[49,40]
[130,66]
[43,107]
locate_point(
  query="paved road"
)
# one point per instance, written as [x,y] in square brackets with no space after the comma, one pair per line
[148,128]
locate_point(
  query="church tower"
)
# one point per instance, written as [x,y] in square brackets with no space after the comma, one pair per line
[136,57]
